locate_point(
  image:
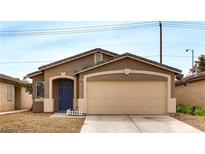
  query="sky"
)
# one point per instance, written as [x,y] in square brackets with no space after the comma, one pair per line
[20,55]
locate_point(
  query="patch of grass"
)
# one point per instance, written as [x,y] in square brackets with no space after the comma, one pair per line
[190,109]
[28,122]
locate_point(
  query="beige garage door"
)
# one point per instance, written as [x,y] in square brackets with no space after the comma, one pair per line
[126,97]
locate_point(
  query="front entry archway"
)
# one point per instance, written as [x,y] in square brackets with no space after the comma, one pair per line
[51,104]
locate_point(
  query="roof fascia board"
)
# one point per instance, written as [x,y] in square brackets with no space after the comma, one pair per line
[126,57]
[29,76]
[74,59]
[191,80]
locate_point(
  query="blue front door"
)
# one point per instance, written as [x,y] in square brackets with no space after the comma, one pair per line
[65,95]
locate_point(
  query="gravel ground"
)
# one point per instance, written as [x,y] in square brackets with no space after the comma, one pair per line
[28,122]
[195,121]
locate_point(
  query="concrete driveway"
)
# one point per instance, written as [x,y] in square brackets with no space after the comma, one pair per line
[135,124]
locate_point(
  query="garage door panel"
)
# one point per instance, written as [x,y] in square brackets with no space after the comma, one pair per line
[126,97]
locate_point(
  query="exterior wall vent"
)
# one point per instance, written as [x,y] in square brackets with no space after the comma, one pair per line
[98,57]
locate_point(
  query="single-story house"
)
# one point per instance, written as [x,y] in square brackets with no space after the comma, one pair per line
[13,95]
[103,82]
[191,90]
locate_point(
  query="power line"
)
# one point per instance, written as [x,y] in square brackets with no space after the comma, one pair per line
[102,28]
[185,23]
[76,30]
[189,25]
[151,23]
[179,23]
[85,27]
[185,27]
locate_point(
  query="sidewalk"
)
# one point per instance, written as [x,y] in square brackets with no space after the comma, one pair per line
[14,111]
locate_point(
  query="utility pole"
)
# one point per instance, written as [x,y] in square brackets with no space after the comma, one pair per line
[192,51]
[160,26]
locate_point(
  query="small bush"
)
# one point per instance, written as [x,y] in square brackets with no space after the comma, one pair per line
[189,109]
[199,111]
[179,107]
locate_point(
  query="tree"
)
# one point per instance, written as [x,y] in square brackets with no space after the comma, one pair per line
[28,86]
[199,65]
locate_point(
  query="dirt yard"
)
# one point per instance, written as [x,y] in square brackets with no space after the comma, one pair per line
[195,121]
[28,122]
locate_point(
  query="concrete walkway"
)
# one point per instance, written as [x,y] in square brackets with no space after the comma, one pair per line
[14,111]
[135,124]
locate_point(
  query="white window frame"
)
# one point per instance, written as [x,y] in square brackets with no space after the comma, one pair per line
[37,89]
[9,93]
[95,57]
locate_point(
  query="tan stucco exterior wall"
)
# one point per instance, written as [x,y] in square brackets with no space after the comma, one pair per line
[130,64]
[69,68]
[6,105]
[26,99]
[193,93]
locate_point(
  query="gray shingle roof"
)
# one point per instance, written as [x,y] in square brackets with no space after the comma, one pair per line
[194,77]
[9,78]
[115,56]
[77,56]
[34,73]
[82,69]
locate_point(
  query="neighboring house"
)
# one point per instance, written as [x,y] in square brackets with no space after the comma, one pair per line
[13,95]
[191,90]
[102,82]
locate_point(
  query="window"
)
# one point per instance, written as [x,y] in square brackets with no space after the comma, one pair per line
[9,92]
[98,57]
[39,89]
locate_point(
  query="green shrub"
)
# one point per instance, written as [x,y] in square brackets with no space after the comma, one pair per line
[189,109]
[199,111]
[178,107]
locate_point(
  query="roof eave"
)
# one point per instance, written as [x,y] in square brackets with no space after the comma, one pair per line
[62,62]
[33,74]
[5,78]
[191,80]
[171,70]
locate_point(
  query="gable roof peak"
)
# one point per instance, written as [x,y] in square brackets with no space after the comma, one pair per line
[77,56]
[129,55]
